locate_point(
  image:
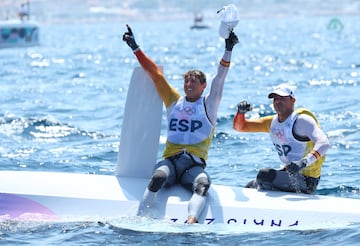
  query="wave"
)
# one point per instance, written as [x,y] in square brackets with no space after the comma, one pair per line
[42,129]
[47,145]
[341,191]
[124,231]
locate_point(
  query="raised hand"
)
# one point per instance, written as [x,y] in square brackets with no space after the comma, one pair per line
[129,38]
[244,107]
[231,41]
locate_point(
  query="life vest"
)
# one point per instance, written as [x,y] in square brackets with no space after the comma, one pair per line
[188,128]
[291,147]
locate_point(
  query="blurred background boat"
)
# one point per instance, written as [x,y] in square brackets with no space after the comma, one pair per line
[19,32]
[16,33]
[198,21]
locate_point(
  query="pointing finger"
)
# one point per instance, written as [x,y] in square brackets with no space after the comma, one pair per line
[129,30]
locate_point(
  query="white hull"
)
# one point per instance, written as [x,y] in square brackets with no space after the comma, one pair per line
[48,196]
[52,196]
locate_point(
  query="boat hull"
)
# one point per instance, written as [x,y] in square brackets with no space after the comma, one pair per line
[18,34]
[61,197]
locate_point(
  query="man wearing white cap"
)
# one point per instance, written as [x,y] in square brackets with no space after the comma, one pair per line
[299,141]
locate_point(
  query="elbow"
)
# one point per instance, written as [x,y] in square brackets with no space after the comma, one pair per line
[239,122]
[238,127]
[235,127]
[327,145]
[322,146]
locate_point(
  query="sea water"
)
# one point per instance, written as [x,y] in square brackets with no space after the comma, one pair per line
[62,107]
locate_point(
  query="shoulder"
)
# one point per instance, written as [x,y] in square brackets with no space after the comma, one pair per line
[306,120]
[268,118]
[306,115]
[305,111]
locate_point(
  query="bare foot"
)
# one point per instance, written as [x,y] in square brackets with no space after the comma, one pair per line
[191,220]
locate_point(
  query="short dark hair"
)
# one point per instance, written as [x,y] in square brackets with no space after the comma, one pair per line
[197,74]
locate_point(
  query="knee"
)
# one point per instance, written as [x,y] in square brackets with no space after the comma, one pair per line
[266,175]
[202,186]
[157,180]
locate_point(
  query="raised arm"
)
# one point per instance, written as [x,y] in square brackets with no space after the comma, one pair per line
[167,93]
[217,85]
[241,124]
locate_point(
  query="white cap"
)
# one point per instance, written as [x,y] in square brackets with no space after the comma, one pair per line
[282,90]
[226,28]
[230,18]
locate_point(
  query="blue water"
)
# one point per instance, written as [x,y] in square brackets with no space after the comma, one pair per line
[62,108]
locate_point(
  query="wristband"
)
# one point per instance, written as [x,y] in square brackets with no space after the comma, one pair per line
[315,153]
[312,157]
[225,63]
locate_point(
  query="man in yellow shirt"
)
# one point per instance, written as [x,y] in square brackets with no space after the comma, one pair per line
[298,139]
[191,122]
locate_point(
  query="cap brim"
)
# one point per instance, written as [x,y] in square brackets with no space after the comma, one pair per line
[282,94]
[271,95]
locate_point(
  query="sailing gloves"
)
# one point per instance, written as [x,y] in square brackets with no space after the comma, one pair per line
[129,38]
[296,166]
[244,107]
[231,41]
